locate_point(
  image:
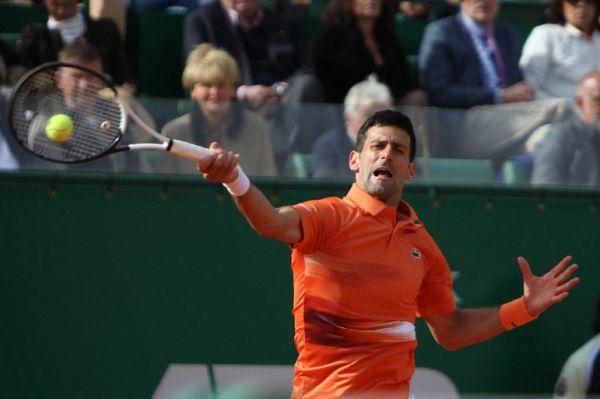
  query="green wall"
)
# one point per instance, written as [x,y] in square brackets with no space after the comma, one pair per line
[105,280]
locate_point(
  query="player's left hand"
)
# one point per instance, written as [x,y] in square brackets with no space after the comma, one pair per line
[541,292]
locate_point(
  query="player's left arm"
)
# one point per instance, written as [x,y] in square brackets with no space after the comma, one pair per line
[464,327]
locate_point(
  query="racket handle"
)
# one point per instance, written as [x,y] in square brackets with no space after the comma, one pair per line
[189,151]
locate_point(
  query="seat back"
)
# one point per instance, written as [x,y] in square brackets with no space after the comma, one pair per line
[298,165]
[456,170]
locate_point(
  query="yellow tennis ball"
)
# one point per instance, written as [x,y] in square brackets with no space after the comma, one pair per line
[59,127]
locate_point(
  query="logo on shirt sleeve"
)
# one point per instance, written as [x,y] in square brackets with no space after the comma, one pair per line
[415,253]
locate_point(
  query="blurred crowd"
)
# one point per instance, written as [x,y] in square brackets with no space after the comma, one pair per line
[291,106]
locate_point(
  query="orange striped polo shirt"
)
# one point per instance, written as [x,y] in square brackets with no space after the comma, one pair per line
[361,277]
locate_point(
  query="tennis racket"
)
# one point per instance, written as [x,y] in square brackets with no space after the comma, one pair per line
[95,109]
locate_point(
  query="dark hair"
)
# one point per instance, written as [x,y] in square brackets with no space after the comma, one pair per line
[388,117]
[555,13]
[81,50]
[340,11]
[596,324]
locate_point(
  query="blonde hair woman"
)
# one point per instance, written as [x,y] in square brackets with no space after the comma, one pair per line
[211,75]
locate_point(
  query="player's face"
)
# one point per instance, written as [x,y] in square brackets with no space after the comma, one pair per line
[61,9]
[214,98]
[483,12]
[76,83]
[368,9]
[580,13]
[383,166]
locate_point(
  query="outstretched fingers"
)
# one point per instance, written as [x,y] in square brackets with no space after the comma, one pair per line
[525,269]
[550,288]
[564,279]
[562,265]
[562,274]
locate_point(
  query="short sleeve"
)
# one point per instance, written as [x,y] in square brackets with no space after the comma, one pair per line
[436,294]
[320,219]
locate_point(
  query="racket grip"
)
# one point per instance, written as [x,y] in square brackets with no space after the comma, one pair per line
[188,150]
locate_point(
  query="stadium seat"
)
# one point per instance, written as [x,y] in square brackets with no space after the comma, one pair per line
[298,165]
[456,170]
[517,170]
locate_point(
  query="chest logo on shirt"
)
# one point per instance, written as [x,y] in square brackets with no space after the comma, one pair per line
[415,253]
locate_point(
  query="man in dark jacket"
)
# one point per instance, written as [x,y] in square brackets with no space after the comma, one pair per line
[40,43]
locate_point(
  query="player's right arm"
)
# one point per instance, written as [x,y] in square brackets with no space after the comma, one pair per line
[278,223]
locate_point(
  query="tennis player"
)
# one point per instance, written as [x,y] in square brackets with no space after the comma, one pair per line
[364,267]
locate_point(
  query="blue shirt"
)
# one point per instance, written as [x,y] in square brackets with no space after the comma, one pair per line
[330,154]
[478,36]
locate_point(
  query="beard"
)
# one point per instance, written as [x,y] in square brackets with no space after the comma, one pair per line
[381,190]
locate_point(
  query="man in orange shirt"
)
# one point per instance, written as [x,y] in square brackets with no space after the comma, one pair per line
[364,267]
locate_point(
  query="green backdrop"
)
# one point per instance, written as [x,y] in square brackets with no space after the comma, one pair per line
[105,280]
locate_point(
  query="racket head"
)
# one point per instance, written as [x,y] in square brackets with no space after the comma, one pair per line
[88,98]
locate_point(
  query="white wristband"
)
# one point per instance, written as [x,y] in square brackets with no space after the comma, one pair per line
[240,185]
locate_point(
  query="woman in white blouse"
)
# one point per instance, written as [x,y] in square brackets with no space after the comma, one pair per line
[557,54]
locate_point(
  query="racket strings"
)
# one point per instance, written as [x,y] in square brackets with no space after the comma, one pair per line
[90,103]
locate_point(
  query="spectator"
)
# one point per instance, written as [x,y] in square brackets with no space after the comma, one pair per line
[70,86]
[271,53]
[356,40]
[570,152]
[67,25]
[556,55]
[211,75]
[470,61]
[330,151]
[580,375]
[268,47]
[461,67]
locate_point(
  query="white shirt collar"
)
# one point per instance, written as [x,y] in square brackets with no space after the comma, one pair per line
[70,29]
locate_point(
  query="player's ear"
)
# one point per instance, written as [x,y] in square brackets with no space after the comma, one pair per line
[412,169]
[353,161]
